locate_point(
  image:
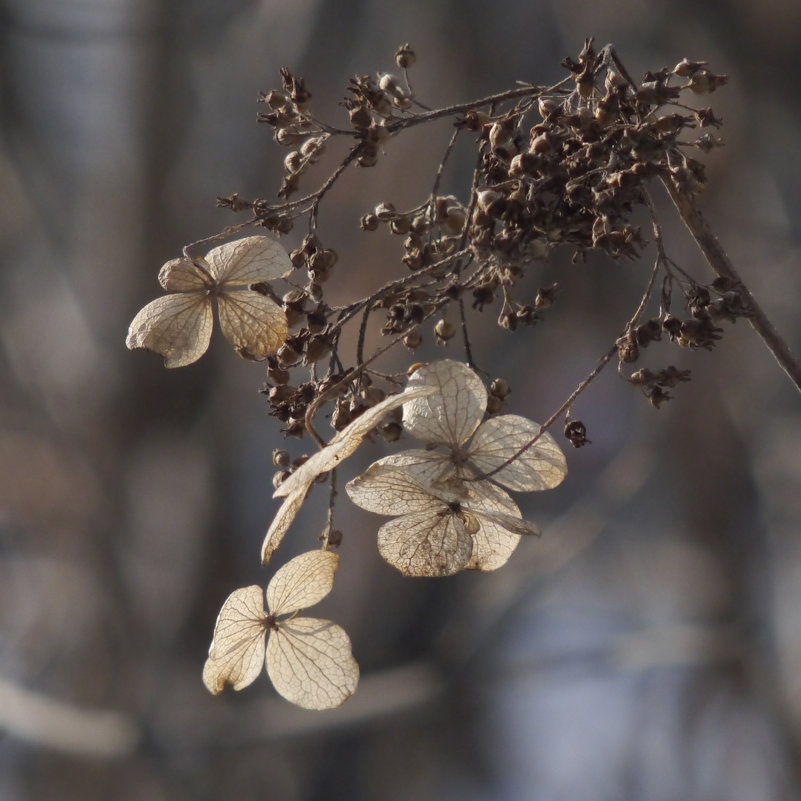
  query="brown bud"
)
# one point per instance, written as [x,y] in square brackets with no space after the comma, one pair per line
[281,458]
[405,57]
[494,404]
[413,339]
[391,431]
[500,388]
[444,330]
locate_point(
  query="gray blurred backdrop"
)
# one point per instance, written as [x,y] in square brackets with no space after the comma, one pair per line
[648,647]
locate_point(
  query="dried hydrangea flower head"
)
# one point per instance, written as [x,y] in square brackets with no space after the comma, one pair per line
[440,527]
[448,516]
[450,423]
[308,660]
[178,326]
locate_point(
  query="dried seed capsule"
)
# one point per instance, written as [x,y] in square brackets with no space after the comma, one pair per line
[494,404]
[576,433]
[444,329]
[368,222]
[500,388]
[405,57]
[281,458]
[413,339]
[385,212]
[391,431]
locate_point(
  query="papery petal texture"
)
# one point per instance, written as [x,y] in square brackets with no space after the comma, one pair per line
[432,542]
[178,327]
[249,260]
[453,412]
[302,582]
[311,664]
[236,655]
[540,467]
[254,324]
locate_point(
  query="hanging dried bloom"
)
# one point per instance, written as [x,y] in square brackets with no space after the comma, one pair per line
[178,326]
[440,526]
[296,487]
[448,516]
[308,660]
[458,442]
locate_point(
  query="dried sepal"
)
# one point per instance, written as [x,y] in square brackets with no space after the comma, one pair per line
[343,444]
[308,660]
[178,326]
[440,526]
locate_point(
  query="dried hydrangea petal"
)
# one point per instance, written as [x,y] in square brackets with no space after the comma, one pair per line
[302,582]
[346,441]
[236,655]
[249,260]
[453,412]
[254,324]
[540,467]
[177,327]
[310,663]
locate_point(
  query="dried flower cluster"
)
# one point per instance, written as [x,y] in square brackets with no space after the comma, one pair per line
[567,165]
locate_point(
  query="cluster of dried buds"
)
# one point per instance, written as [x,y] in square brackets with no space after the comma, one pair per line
[576,176]
[289,115]
[707,304]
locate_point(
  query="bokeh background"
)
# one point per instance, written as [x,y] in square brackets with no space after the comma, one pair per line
[647,647]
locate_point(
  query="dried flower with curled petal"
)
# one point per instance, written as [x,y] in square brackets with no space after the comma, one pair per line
[464,459]
[308,660]
[450,422]
[296,487]
[178,326]
[440,526]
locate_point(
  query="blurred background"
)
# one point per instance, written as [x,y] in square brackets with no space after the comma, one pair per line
[647,647]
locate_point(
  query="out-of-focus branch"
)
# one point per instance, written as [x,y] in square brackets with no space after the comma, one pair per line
[722,266]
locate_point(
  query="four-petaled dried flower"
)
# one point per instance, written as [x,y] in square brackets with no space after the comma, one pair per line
[178,326]
[440,526]
[464,459]
[308,660]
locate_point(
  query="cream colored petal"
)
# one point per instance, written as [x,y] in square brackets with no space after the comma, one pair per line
[302,582]
[427,543]
[297,486]
[500,526]
[311,664]
[282,521]
[426,467]
[390,490]
[541,467]
[182,275]
[253,323]
[346,441]
[454,412]
[178,327]
[236,655]
[248,261]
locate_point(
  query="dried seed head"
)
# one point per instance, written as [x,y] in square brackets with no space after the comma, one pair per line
[494,404]
[405,57]
[281,458]
[413,339]
[360,117]
[444,330]
[576,433]
[368,222]
[385,212]
[500,388]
